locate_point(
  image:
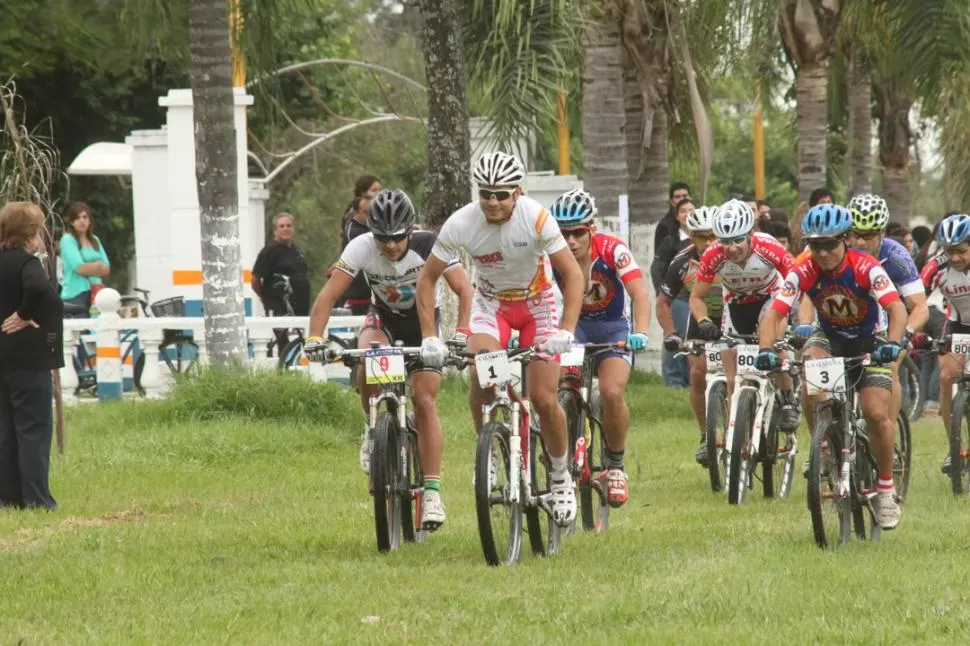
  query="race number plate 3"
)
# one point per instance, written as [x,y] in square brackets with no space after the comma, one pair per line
[384,366]
[573,358]
[494,368]
[825,375]
[747,355]
[713,352]
[960,343]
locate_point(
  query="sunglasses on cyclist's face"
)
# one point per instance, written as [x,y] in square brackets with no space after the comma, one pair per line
[487,194]
[577,232]
[731,242]
[390,239]
[865,235]
[827,245]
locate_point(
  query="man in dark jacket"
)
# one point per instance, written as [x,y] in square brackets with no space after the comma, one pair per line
[668,226]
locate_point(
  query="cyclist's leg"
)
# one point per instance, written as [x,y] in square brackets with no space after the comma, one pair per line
[875,395]
[372,330]
[729,356]
[698,389]
[490,331]
[425,384]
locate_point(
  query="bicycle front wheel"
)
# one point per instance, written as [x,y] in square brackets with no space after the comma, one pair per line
[739,471]
[902,455]
[717,422]
[960,444]
[913,398]
[499,519]
[828,505]
[384,477]
[292,355]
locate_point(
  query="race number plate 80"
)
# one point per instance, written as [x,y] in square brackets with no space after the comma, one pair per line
[713,352]
[384,366]
[493,368]
[825,375]
[747,355]
[960,343]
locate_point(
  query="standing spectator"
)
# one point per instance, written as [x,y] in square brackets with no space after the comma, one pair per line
[898,232]
[31,346]
[354,223]
[820,196]
[281,258]
[84,261]
[780,232]
[921,235]
[668,226]
[676,370]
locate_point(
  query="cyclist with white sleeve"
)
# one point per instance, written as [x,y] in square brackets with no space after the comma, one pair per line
[507,235]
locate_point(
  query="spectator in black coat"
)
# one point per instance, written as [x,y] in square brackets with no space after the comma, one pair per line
[668,226]
[31,346]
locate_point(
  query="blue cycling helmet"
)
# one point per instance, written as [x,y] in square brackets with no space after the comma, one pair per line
[574,208]
[954,229]
[826,221]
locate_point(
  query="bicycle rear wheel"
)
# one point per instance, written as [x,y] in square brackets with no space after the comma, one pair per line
[579,464]
[913,397]
[539,458]
[717,422]
[384,477]
[739,469]
[291,355]
[412,489]
[903,456]
[863,488]
[960,444]
[777,458]
[499,519]
[597,447]
[828,507]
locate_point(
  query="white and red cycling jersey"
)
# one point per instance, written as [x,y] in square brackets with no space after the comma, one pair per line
[758,278]
[952,283]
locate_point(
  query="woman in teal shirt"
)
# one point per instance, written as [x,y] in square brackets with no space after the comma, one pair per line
[84,259]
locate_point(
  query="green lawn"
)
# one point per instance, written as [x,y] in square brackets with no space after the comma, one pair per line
[177,527]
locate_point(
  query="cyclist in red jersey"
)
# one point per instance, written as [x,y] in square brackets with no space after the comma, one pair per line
[751,267]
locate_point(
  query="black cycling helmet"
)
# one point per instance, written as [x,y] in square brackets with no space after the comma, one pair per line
[390,214]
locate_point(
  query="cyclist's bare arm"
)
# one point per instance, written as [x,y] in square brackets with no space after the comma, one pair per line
[665,314]
[768,327]
[573,283]
[806,311]
[320,314]
[637,289]
[919,311]
[897,320]
[459,283]
[425,296]
[698,306]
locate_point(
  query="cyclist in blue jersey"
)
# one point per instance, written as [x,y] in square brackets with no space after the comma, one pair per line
[870,216]
[613,280]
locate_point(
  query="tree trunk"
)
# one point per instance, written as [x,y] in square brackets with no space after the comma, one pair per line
[216,174]
[895,138]
[604,137]
[449,149]
[860,127]
[811,114]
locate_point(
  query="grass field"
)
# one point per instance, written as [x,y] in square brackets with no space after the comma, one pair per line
[237,514]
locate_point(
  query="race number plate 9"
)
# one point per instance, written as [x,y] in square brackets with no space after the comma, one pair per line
[713,352]
[573,358]
[384,366]
[493,368]
[960,343]
[747,355]
[825,375]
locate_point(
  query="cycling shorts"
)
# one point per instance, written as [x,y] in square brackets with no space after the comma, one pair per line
[861,376]
[396,328]
[535,318]
[605,332]
[742,318]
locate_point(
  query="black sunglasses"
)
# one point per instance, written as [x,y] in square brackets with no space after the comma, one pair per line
[389,239]
[487,194]
[824,245]
[865,235]
[577,232]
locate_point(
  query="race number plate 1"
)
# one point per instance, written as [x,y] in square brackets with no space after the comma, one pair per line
[384,366]
[573,358]
[825,375]
[747,355]
[713,352]
[494,368]
[960,343]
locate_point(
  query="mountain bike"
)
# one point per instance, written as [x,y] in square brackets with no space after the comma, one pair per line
[579,398]
[715,406]
[396,477]
[842,471]
[510,450]
[958,427]
[753,430]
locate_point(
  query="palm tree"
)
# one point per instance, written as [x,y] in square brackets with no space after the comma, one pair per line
[216,173]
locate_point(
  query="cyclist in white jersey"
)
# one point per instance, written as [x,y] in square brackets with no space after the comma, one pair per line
[507,236]
[949,272]
[391,257]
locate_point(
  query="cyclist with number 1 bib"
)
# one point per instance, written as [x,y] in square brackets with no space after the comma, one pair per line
[948,272]
[613,279]
[847,288]
[751,267]
[508,237]
[391,256]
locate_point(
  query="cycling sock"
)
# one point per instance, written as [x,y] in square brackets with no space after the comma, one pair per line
[432,483]
[614,459]
[559,465]
[885,482]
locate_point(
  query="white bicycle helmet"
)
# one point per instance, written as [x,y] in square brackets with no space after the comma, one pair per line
[869,212]
[498,169]
[733,219]
[701,219]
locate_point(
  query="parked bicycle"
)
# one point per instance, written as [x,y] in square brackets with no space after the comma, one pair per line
[716,407]
[753,434]
[178,351]
[510,450]
[579,398]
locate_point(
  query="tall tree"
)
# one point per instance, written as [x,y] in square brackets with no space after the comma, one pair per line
[449,149]
[216,174]
[859,131]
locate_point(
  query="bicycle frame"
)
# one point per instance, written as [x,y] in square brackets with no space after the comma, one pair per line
[504,398]
[764,389]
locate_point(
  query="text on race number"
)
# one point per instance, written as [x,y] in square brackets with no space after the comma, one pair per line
[825,375]
[713,351]
[494,368]
[960,343]
[747,356]
[384,366]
